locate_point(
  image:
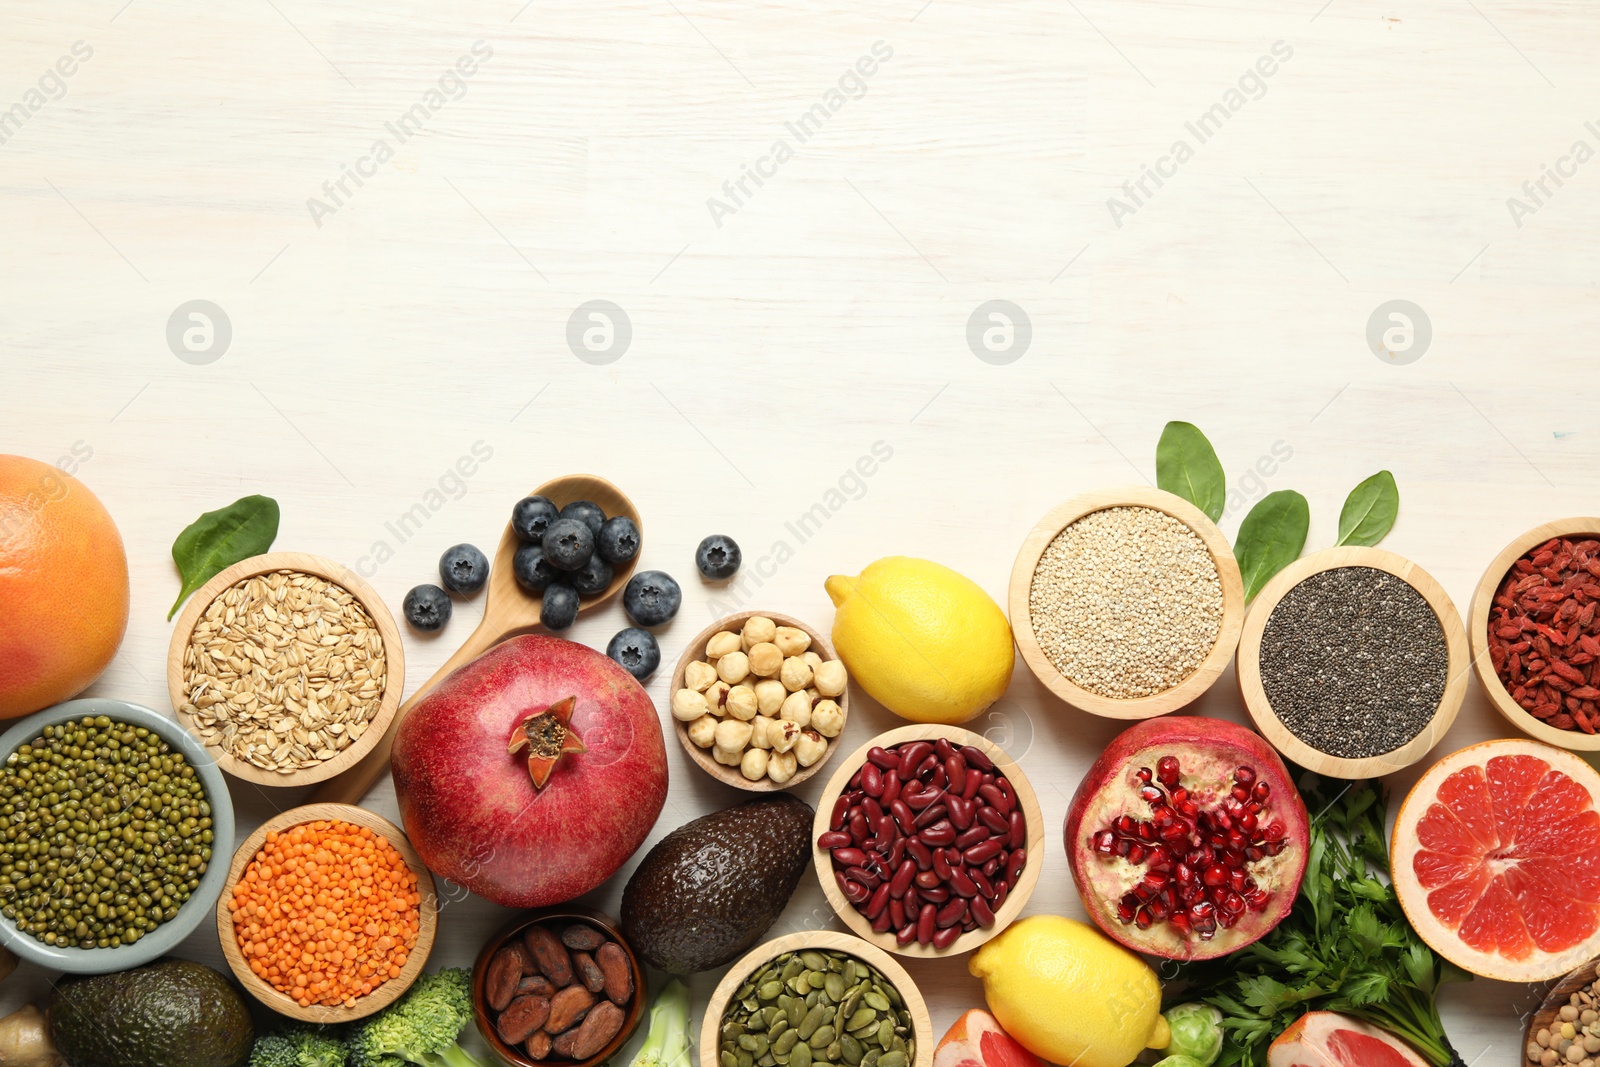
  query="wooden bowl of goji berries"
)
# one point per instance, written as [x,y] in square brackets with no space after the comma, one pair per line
[282,899]
[1535,632]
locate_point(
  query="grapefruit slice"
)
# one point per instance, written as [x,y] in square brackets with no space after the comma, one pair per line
[976,1040]
[1496,860]
[1328,1039]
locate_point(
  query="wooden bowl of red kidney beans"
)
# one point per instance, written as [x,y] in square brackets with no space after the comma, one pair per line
[927,840]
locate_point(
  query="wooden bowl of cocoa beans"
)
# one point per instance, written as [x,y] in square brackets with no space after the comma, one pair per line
[558,988]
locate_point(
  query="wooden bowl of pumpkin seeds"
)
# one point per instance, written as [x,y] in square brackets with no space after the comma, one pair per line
[816,998]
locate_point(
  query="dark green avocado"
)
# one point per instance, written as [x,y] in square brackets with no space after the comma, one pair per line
[172,1013]
[709,890]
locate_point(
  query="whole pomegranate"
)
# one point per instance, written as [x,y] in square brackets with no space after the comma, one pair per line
[532,773]
[1187,839]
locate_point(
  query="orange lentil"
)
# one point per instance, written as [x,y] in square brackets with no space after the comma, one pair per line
[317,900]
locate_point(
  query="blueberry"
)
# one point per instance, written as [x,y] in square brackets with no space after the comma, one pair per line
[592,578]
[533,572]
[568,544]
[651,598]
[619,540]
[532,516]
[463,569]
[427,608]
[717,557]
[636,650]
[587,512]
[560,606]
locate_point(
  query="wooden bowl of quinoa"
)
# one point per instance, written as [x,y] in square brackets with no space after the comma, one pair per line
[1126,602]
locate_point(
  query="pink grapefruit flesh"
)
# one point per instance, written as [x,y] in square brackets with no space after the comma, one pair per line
[1328,1039]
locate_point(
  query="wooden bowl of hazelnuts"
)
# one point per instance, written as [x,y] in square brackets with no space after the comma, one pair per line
[759,700]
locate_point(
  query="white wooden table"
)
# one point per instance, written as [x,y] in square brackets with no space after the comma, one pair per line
[397,222]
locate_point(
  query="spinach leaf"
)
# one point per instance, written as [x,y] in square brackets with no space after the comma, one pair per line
[1369,511]
[219,539]
[1187,465]
[1271,537]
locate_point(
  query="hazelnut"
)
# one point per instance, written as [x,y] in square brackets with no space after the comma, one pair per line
[717,698]
[703,731]
[733,668]
[827,718]
[688,705]
[781,734]
[795,674]
[791,640]
[812,660]
[760,733]
[796,708]
[698,675]
[829,677]
[781,767]
[741,702]
[721,644]
[765,659]
[754,764]
[770,694]
[733,735]
[758,629]
[809,747]
[727,759]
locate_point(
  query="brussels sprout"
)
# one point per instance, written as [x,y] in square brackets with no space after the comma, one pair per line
[1196,1034]
[1181,1061]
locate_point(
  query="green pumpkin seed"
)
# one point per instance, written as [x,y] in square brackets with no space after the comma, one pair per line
[778,1025]
[862,1018]
[745,1059]
[796,1009]
[816,961]
[877,1000]
[813,1020]
[792,967]
[813,998]
[770,990]
[801,1056]
[767,1061]
[817,979]
[851,1049]
[834,984]
[748,1042]
[729,1059]
[798,985]
[871,1058]
[885,1034]
[892,1059]
[785,1041]
[822,1037]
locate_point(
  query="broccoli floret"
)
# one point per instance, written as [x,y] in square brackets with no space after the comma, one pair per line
[667,1043]
[419,1028]
[299,1046]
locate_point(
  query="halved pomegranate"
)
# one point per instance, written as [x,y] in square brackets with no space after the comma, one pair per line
[1187,839]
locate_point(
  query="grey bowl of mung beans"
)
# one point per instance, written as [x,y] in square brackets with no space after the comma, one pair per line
[114,843]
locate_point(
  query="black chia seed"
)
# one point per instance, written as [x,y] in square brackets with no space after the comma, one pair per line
[1354,662]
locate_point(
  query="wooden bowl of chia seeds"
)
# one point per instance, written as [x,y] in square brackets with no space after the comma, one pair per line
[1126,602]
[1353,662]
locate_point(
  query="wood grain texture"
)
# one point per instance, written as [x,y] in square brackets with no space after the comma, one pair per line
[1198,680]
[379,998]
[1478,632]
[393,651]
[822,941]
[696,650]
[1255,696]
[1016,899]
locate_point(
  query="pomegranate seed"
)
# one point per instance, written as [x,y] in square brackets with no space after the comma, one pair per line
[1135,853]
[1214,875]
[1253,853]
[1183,873]
[1125,909]
[1244,775]
[1272,848]
[1240,793]
[1275,829]
[1147,831]
[1104,842]
[1233,902]
[1167,768]
[1222,820]
[1159,860]
[1143,774]
[1155,880]
[1157,907]
[1201,910]
[1180,922]
[1247,822]
[1262,791]
[1151,794]
[1123,846]
[1124,824]
[1179,795]
[1143,920]
[1176,832]
[1163,816]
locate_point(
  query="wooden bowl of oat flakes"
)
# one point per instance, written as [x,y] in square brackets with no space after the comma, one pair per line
[288,667]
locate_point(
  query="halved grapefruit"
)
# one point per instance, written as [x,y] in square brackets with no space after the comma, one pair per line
[1496,860]
[976,1040]
[1328,1039]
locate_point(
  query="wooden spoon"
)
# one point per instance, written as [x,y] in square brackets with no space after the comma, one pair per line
[509,611]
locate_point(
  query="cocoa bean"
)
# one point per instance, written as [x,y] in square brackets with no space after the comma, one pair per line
[564,1044]
[567,1007]
[599,1027]
[537,984]
[506,968]
[588,972]
[618,973]
[581,937]
[548,954]
[521,1018]
[538,1046]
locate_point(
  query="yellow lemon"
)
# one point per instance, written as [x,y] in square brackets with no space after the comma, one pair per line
[1070,994]
[927,643]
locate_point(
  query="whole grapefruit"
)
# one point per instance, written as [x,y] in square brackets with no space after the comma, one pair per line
[63,584]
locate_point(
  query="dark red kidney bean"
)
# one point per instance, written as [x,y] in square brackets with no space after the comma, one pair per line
[854,893]
[991,793]
[913,900]
[955,772]
[960,884]
[982,913]
[864,876]
[841,808]
[906,934]
[882,758]
[872,810]
[981,880]
[961,812]
[903,817]
[932,815]
[902,879]
[832,840]
[951,914]
[970,836]
[879,902]
[858,828]
[884,824]
[941,866]
[970,790]
[910,756]
[925,766]
[995,820]
[991,866]
[970,925]
[976,757]
[1014,866]
[929,879]
[1007,792]
[872,780]
[920,799]
[1019,830]
[897,851]
[891,788]
[982,852]
[855,781]
[943,939]
[1001,891]
[940,833]
[883,923]
[920,852]
[925,923]
[937,895]
[849,857]
[939,779]
[944,748]
[897,913]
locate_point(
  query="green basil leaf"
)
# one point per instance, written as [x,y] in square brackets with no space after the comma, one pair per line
[219,539]
[1187,465]
[1271,537]
[1369,511]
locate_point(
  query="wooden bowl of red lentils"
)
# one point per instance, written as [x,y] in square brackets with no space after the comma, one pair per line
[297,884]
[1535,633]
[1126,602]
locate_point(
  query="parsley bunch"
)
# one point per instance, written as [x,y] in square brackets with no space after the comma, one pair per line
[1345,947]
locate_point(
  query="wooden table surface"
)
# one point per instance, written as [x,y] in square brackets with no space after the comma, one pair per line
[397,212]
